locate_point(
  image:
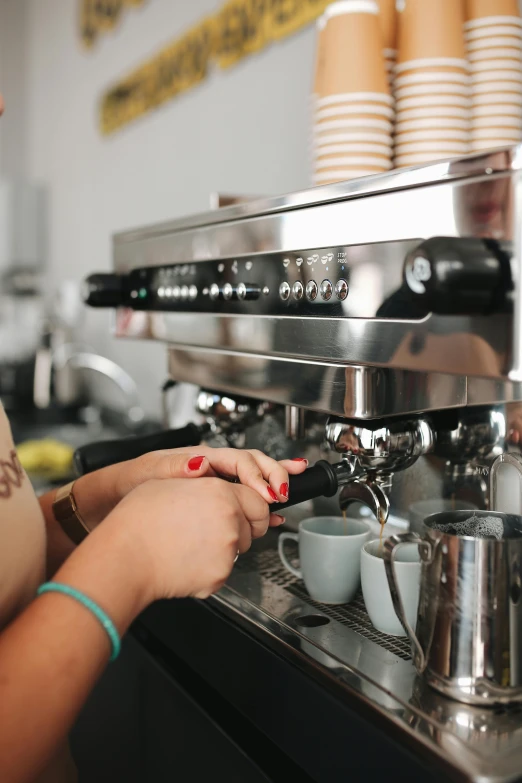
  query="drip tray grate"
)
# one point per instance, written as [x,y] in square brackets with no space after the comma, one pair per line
[354,615]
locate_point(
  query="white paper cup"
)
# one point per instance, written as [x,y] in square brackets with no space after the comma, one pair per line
[422,101]
[430,123]
[450,113]
[477,123]
[498,99]
[432,89]
[440,134]
[431,62]
[376,592]
[509,134]
[495,42]
[352,97]
[321,139]
[493,31]
[492,88]
[432,77]
[449,147]
[419,158]
[354,109]
[355,147]
[353,161]
[350,123]
[495,54]
[491,21]
[495,110]
[490,144]
[508,75]
[494,65]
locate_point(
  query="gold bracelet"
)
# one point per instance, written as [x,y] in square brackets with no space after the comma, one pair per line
[67,515]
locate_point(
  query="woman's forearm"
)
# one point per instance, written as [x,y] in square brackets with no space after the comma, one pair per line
[53,653]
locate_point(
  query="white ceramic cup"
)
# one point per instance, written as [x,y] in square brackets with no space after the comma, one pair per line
[353,97]
[441,89]
[491,21]
[349,123]
[376,592]
[431,77]
[330,555]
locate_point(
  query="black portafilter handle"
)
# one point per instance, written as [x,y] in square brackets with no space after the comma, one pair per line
[321,480]
[460,276]
[95,456]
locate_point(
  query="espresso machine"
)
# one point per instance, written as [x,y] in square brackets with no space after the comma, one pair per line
[375,328]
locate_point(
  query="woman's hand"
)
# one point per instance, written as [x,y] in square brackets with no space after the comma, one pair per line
[98,493]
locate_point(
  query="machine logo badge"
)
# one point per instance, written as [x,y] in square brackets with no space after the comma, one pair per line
[312,259]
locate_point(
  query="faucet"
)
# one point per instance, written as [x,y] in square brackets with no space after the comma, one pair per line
[72,355]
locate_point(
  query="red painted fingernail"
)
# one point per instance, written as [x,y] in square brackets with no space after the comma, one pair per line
[300,459]
[195,463]
[283,490]
[272,493]
[278,519]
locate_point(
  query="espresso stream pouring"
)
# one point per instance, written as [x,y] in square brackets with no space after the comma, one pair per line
[468,638]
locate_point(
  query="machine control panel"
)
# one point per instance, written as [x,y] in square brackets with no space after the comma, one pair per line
[308,282]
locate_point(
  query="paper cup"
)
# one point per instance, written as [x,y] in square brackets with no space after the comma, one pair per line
[494,65]
[353,97]
[388,23]
[323,139]
[449,147]
[494,42]
[432,28]
[440,134]
[496,110]
[492,30]
[492,88]
[485,144]
[497,98]
[423,101]
[351,161]
[432,77]
[353,42]
[490,9]
[450,112]
[432,89]
[430,123]
[423,63]
[496,132]
[350,123]
[511,53]
[358,148]
[418,158]
[357,110]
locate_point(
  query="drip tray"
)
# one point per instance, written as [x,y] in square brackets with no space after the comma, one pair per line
[354,615]
[371,671]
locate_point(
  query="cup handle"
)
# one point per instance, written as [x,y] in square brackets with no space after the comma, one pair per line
[391,546]
[281,549]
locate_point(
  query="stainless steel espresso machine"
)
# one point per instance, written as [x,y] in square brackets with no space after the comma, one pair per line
[374,327]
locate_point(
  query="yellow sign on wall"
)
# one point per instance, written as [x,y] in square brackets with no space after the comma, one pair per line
[98,16]
[238,29]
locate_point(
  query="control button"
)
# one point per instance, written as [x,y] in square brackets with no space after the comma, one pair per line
[311,290]
[248,291]
[176,292]
[168,292]
[161,292]
[184,292]
[298,290]
[214,291]
[266,290]
[193,292]
[341,289]
[228,291]
[326,290]
[284,291]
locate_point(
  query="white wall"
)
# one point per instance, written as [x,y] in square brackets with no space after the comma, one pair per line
[243,131]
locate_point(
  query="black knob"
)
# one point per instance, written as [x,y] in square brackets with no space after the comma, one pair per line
[452,276]
[103,290]
[320,479]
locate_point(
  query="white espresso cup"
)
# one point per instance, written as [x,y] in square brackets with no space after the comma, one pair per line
[376,592]
[330,555]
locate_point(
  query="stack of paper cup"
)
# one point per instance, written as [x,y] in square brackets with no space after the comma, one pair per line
[388,22]
[352,105]
[431,85]
[493,33]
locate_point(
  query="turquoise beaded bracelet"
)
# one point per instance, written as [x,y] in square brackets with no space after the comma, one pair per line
[101,616]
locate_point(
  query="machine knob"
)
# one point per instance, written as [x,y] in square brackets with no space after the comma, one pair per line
[452,276]
[248,291]
[214,291]
[311,290]
[228,291]
[103,290]
[341,289]
[284,291]
[326,290]
[298,290]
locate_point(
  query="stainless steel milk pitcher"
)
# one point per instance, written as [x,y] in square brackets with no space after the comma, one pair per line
[468,637]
